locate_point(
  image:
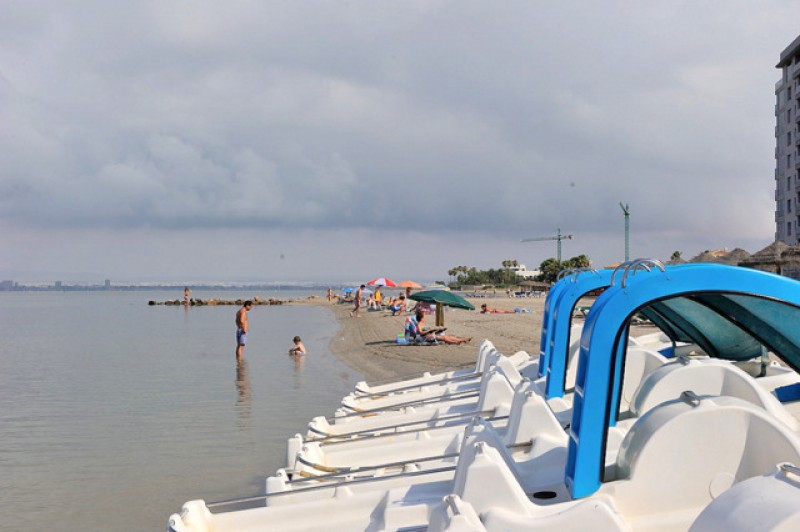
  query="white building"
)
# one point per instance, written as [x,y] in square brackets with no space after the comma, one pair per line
[787,145]
[523,272]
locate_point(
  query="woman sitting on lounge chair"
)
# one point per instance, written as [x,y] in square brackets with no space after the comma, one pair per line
[433,333]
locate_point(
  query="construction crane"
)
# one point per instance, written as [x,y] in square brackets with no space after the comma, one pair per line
[558,238]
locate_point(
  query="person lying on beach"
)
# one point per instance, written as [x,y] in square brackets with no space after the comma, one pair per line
[398,305]
[486,310]
[299,348]
[426,332]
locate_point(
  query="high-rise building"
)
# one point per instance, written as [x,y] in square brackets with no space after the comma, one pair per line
[787,146]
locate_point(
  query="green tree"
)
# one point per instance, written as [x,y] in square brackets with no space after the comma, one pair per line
[581,261]
[451,273]
[472,276]
[550,268]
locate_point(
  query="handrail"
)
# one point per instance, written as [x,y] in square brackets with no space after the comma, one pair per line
[619,268]
[399,378]
[633,266]
[565,272]
[333,472]
[363,394]
[356,469]
[451,502]
[328,435]
[570,271]
[574,279]
[641,264]
[790,468]
[464,394]
[372,436]
[362,480]
[255,498]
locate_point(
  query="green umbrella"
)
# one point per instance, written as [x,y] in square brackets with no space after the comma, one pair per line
[442,297]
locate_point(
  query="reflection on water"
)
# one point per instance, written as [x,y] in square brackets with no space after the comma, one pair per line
[299,377]
[243,403]
[136,415]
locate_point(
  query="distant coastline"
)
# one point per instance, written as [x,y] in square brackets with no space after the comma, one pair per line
[143,287]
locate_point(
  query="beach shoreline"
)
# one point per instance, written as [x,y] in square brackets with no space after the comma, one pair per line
[368,344]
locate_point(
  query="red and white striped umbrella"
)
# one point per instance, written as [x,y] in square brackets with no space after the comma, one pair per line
[382,281]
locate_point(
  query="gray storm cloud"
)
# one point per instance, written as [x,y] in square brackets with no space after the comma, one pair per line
[287,115]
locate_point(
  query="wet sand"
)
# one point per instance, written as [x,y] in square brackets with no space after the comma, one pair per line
[368,344]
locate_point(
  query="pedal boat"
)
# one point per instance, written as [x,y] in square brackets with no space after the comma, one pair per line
[654,465]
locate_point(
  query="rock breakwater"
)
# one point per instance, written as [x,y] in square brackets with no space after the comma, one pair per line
[195,302]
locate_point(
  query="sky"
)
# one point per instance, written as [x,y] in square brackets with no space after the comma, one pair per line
[188,141]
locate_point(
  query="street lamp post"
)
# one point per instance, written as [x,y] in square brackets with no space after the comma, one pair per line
[627,212]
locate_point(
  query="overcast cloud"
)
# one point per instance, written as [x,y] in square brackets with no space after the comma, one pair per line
[188,140]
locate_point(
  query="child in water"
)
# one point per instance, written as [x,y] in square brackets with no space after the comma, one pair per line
[299,348]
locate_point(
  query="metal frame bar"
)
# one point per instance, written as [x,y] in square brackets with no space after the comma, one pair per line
[328,435]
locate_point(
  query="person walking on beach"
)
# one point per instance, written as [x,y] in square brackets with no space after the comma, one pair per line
[299,348]
[241,328]
[330,294]
[357,302]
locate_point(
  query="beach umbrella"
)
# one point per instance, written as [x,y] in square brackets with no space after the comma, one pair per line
[442,298]
[382,281]
[354,290]
[409,284]
[445,297]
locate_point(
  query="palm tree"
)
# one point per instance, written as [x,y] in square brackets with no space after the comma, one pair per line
[452,272]
[507,264]
[460,270]
[581,261]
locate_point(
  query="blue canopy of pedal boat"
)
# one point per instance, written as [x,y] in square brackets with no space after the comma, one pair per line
[731,312]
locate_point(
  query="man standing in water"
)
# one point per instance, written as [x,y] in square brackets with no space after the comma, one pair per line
[242,328]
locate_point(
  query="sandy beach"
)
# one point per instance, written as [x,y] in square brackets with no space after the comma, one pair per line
[368,344]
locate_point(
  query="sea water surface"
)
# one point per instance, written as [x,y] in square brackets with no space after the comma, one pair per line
[114,413]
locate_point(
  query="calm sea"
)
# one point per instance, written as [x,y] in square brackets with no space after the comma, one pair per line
[113,413]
